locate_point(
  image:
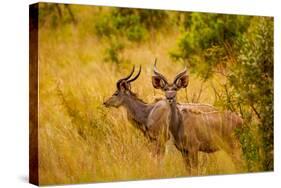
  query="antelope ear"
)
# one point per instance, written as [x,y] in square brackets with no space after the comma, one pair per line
[124,85]
[182,82]
[158,82]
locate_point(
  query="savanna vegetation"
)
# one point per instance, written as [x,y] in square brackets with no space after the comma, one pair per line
[84,50]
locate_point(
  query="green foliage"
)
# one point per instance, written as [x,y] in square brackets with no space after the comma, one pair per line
[55,15]
[113,51]
[202,31]
[206,39]
[133,24]
[250,147]
[252,79]
[122,24]
[249,90]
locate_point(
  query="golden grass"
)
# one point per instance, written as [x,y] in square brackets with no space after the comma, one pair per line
[79,139]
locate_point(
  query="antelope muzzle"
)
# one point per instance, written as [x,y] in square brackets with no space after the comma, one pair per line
[170,96]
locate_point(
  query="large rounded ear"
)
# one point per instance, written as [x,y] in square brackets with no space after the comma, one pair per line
[182,81]
[158,82]
[123,85]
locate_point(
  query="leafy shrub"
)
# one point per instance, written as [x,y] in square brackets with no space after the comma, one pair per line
[133,24]
[250,147]
[113,51]
[252,78]
[125,23]
[207,39]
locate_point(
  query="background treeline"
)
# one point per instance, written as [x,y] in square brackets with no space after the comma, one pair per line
[85,49]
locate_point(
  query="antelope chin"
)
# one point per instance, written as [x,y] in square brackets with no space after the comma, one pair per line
[170,101]
[105,104]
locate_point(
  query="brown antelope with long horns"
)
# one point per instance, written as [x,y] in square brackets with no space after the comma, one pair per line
[151,119]
[193,132]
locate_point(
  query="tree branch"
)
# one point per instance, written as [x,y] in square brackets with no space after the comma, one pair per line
[255,110]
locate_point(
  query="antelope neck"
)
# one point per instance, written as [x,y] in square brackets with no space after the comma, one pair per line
[175,120]
[137,109]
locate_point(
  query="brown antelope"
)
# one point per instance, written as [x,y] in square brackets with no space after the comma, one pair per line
[193,132]
[151,119]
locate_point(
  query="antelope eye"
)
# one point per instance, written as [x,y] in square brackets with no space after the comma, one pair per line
[115,94]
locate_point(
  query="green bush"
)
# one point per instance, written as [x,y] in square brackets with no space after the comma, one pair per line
[207,40]
[252,78]
[122,24]
[133,24]
[113,51]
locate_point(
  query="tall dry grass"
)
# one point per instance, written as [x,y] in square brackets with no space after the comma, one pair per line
[79,139]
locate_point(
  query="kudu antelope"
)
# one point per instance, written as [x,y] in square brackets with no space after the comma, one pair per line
[151,119]
[196,131]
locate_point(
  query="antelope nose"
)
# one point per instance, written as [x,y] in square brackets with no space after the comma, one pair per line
[170,94]
[169,98]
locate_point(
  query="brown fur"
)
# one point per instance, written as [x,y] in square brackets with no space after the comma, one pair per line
[152,119]
[204,131]
[196,129]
